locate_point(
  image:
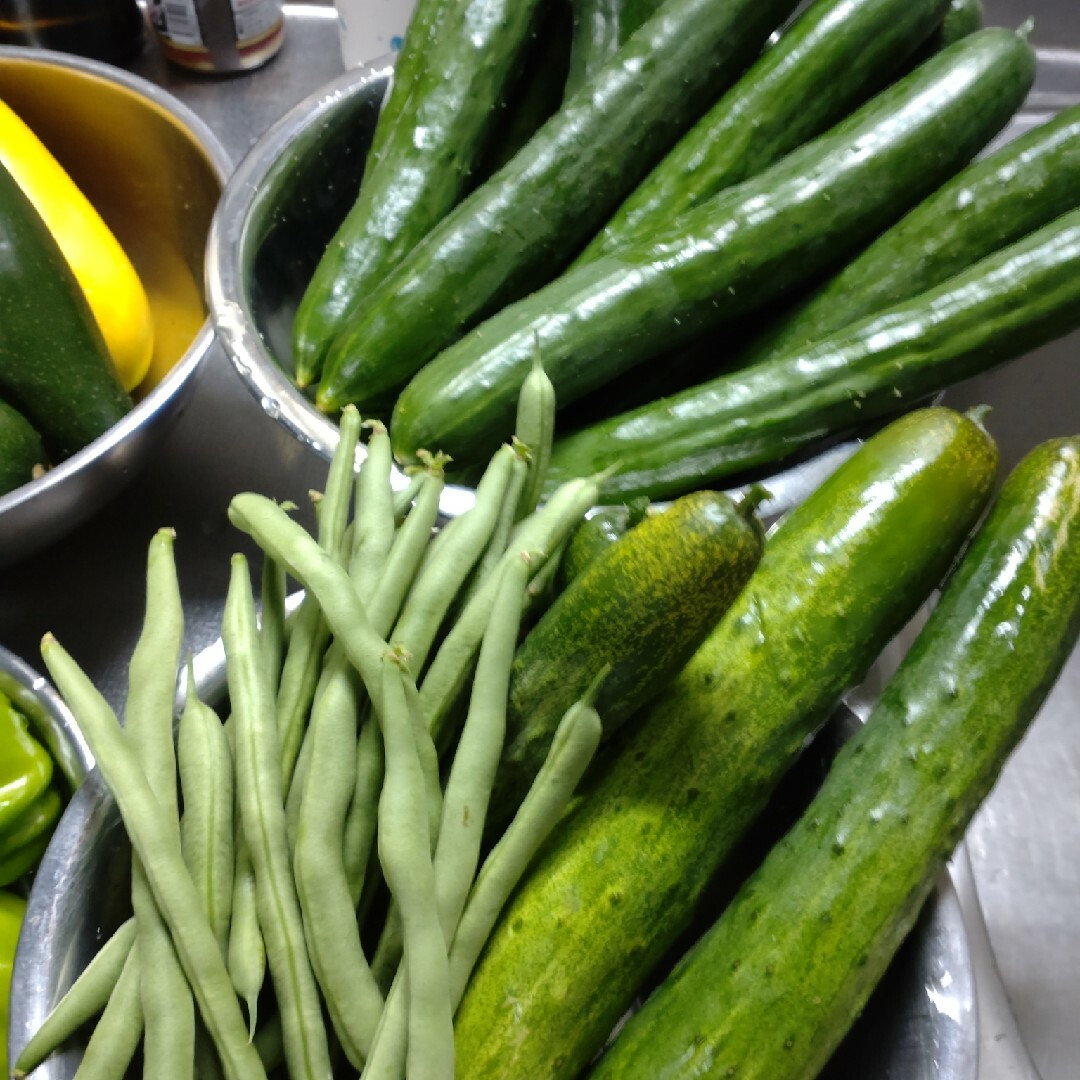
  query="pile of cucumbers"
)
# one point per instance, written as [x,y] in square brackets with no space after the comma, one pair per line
[736,234]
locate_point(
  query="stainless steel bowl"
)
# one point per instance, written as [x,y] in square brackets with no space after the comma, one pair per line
[921,1024]
[155,172]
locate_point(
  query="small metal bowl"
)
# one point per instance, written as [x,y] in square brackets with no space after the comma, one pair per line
[277,214]
[155,172]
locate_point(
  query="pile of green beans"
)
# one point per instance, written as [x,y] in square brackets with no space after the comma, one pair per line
[339,807]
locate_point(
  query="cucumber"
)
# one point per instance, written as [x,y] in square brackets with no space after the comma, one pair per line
[601,28]
[621,876]
[595,535]
[423,166]
[55,368]
[992,203]
[731,255]
[962,18]
[21,451]
[771,989]
[532,217]
[643,606]
[1000,308]
[834,56]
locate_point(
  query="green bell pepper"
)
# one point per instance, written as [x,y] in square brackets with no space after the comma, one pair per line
[29,802]
[12,909]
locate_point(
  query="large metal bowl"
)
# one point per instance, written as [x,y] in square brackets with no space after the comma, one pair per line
[921,1023]
[155,172]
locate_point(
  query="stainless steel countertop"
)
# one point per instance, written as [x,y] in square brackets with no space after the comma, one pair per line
[1024,846]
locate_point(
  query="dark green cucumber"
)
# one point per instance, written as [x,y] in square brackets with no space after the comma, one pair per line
[992,203]
[643,607]
[962,18]
[422,169]
[595,535]
[517,230]
[621,876]
[1000,308]
[833,57]
[772,988]
[54,366]
[725,258]
[601,28]
[21,450]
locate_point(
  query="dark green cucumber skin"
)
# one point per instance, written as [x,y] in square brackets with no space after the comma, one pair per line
[423,169]
[517,230]
[833,57]
[1000,308]
[962,18]
[621,876]
[54,366]
[643,606]
[725,258]
[771,989]
[21,449]
[595,535]
[994,202]
[601,28]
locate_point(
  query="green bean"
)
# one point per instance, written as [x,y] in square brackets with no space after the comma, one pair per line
[274,531]
[295,798]
[269,1042]
[358,839]
[538,535]
[272,622]
[535,427]
[85,998]
[247,952]
[465,805]
[373,528]
[262,813]
[116,1035]
[409,872]
[575,742]
[333,936]
[452,556]
[407,550]
[310,636]
[156,842]
[207,829]
[403,497]
[508,514]
[167,1005]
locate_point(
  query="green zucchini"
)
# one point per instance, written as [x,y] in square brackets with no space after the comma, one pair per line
[21,450]
[620,878]
[772,988]
[997,200]
[55,368]
[531,218]
[725,258]
[643,607]
[833,57]
[1000,308]
[601,28]
[423,167]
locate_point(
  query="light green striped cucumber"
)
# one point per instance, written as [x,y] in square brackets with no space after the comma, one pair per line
[772,988]
[835,55]
[620,878]
[516,230]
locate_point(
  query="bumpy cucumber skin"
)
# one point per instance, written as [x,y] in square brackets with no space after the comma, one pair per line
[831,59]
[423,167]
[771,989]
[992,203]
[1000,308]
[527,221]
[21,450]
[620,878]
[643,606]
[725,258]
[54,364]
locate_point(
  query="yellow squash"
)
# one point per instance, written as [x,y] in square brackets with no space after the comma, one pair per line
[102,269]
